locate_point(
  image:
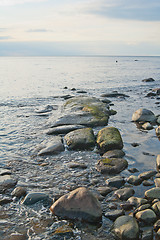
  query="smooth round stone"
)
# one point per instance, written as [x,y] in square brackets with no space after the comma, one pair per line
[143,115]
[114,214]
[143,207]
[32,198]
[156,208]
[19,192]
[126,228]
[148,183]
[153,193]
[111,165]
[134,180]
[116,153]
[124,193]
[116,181]
[147,216]
[147,175]
[7,182]
[137,201]
[157,182]
[104,190]
[147,126]
[76,165]
[158,162]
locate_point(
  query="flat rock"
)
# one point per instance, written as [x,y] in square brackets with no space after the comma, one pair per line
[143,115]
[116,181]
[77,165]
[116,153]
[52,147]
[148,80]
[63,129]
[114,214]
[126,228]
[109,138]
[153,193]
[79,204]
[32,198]
[124,193]
[114,94]
[104,190]
[111,165]
[147,216]
[7,182]
[80,139]
[146,175]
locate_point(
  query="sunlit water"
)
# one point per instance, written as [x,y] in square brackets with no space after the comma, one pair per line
[27,84]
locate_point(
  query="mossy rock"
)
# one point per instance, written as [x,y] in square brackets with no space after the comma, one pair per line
[109,138]
[80,139]
[111,165]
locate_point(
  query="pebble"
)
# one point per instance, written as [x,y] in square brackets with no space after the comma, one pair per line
[19,192]
[134,180]
[147,175]
[104,190]
[114,214]
[34,197]
[147,216]
[153,193]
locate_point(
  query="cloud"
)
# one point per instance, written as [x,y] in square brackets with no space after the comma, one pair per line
[39,30]
[3,29]
[14,2]
[5,37]
[144,10]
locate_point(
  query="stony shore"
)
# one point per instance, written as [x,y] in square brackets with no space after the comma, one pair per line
[97,196]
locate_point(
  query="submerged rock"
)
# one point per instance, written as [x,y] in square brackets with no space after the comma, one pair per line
[109,138]
[126,228]
[148,80]
[111,165]
[63,129]
[80,139]
[114,94]
[79,204]
[7,182]
[143,115]
[52,147]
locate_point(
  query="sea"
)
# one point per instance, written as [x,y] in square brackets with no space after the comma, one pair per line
[31,83]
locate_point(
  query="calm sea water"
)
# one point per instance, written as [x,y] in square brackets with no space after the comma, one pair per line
[29,83]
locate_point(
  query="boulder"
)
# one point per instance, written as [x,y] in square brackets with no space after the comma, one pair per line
[52,147]
[109,138]
[126,228]
[87,111]
[143,115]
[80,139]
[79,204]
[111,165]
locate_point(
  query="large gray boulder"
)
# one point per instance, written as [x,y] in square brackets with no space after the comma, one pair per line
[109,138]
[80,139]
[79,204]
[87,111]
[126,228]
[143,115]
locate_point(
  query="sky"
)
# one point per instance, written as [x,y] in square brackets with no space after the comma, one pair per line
[79,27]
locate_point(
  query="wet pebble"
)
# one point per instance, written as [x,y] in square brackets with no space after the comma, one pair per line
[19,192]
[104,190]
[124,193]
[134,180]
[114,214]
[147,216]
[153,193]
[147,175]
[136,201]
[34,197]
[116,181]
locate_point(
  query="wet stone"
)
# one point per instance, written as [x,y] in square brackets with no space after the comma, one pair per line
[19,192]
[63,129]
[143,115]
[6,182]
[116,153]
[80,204]
[127,206]
[111,165]
[77,165]
[104,190]
[114,214]
[153,193]
[147,235]
[156,208]
[124,193]
[147,216]
[32,198]
[134,180]
[157,225]
[133,170]
[126,227]
[136,201]
[157,182]
[17,236]
[116,181]
[4,171]
[147,126]
[158,162]
[147,175]
[143,207]
[5,200]
[148,183]
[80,139]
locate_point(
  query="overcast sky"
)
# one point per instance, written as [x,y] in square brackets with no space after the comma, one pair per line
[79,27]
